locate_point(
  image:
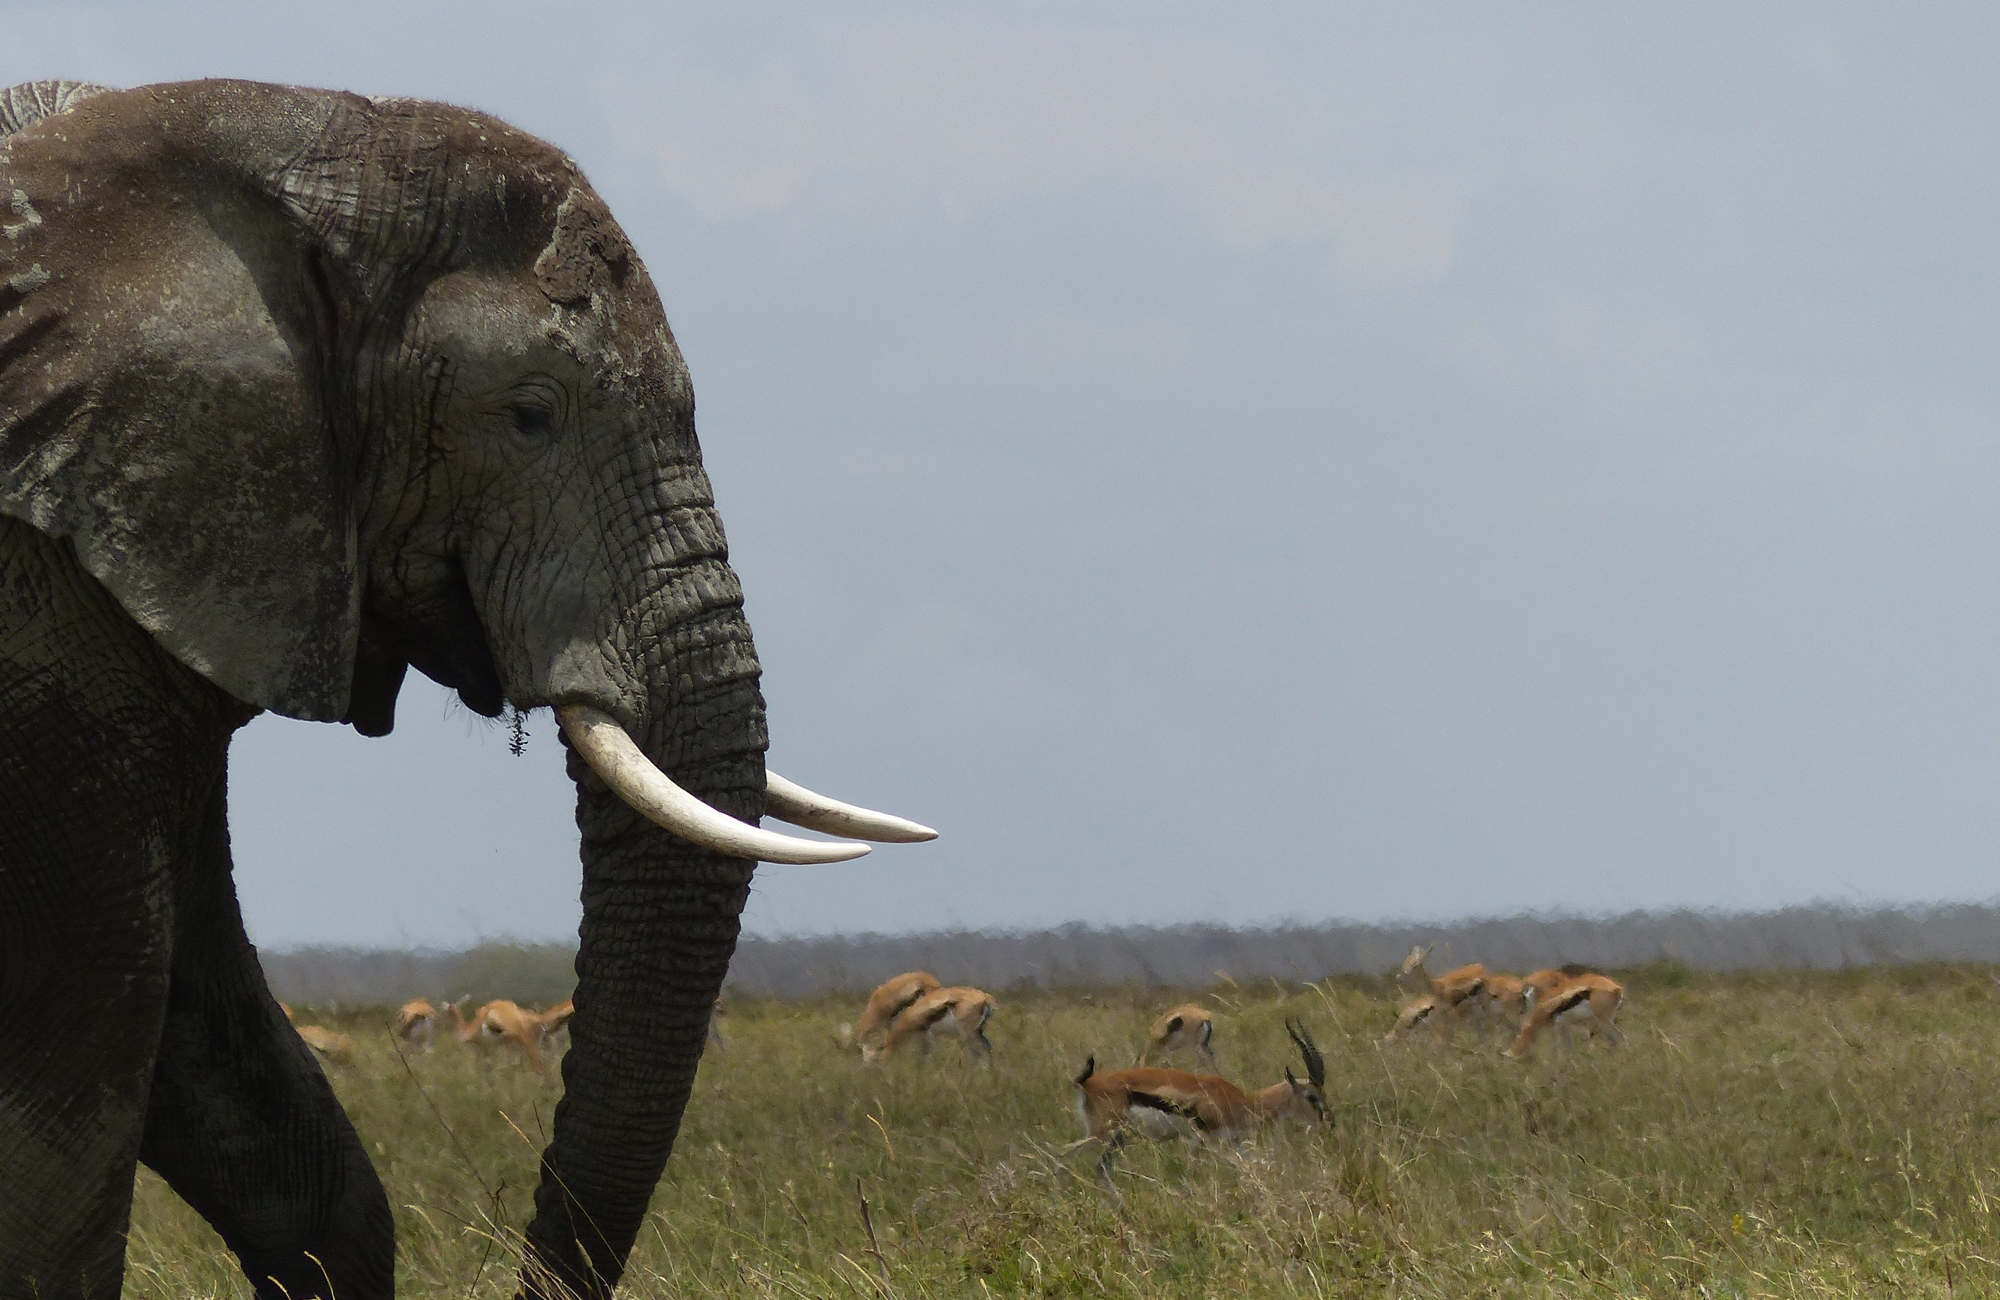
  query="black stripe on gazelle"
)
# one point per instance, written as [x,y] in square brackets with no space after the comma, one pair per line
[1569,1000]
[1152,1102]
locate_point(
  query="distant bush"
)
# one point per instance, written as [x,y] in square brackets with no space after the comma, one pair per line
[1821,937]
[1661,948]
[538,973]
[528,973]
[1667,974]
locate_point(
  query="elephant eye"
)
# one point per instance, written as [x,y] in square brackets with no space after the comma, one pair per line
[534,421]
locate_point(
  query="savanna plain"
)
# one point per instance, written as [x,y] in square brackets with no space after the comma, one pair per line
[1785,1134]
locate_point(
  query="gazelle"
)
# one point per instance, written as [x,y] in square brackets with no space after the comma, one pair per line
[1507,993]
[1418,1014]
[556,1019]
[1187,1025]
[885,1004]
[325,1042]
[507,1024]
[1458,991]
[1174,1103]
[1591,1001]
[502,1023]
[466,1031]
[333,1046]
[1515,996]
[552,1022]
[416,1024]
[961,1011]
[1544,982]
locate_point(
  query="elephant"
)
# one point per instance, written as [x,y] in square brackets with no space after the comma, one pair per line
[298,390]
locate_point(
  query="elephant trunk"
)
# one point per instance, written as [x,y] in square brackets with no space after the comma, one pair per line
[660,921]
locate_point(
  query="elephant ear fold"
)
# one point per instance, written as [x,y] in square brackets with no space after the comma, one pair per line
[165,406]
[28,103]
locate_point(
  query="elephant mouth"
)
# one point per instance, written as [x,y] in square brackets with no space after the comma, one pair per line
[440,635]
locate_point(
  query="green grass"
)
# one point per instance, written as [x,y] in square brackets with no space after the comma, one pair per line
[1763,1135]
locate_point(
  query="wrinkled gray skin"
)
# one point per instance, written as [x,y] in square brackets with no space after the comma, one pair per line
[298,389]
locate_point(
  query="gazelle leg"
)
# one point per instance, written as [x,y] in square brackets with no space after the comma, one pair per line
[1109,1159]
[1111,1135]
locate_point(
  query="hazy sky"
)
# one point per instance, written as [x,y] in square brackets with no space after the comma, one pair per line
[1233,462]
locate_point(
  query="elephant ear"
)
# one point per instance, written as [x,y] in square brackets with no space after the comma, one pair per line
[170,402]
[28,103]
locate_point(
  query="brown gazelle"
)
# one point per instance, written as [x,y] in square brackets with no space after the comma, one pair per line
[1417,1015]
[1508,994]
[556,1018]
[1544,982]
[506,1024]
[416,1024]
[552,1022]
[466,1031]
[1459,992]
[1589,1001]
[1174,1103]
[963,1011]
[329,1044]
[501,1023]
[1514,995]
[886,1003]
[325,1042]
[1186,1026]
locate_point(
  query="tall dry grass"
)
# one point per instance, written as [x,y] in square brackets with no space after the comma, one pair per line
[1759,1135]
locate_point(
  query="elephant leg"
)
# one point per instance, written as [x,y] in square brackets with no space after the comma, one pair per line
[243,1124]
[107,753]
[83,960]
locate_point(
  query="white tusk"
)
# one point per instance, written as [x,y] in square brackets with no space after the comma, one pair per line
[653,795]
[791,802]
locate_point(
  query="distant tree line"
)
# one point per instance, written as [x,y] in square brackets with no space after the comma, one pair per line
[533,974]
[1822,937]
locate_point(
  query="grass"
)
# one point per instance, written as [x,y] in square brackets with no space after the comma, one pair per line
[1758,1135]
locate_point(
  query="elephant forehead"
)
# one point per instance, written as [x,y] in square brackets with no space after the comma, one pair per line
[587,255]
[604,310]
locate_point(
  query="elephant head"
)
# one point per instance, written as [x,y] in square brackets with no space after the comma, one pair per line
[320,387]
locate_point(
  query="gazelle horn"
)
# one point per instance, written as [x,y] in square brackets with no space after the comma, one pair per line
[618,762]
[791,802]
